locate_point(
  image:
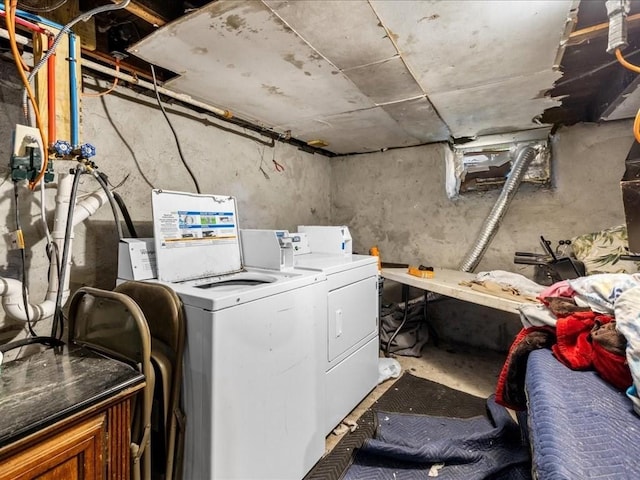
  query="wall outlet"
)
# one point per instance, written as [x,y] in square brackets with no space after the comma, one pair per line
[25,137]
[27,156]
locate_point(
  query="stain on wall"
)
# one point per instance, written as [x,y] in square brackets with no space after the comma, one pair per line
[137,151]
[396,200]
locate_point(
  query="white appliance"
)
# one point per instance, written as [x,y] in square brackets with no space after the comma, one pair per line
[350,357]
[352,343]
[272,249]
[136,259]
[253,380]
[328,239]
[300,242]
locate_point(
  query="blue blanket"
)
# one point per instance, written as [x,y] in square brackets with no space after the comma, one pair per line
[408,447]
[580,427]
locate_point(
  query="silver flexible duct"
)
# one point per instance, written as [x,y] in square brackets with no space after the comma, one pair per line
[524,156]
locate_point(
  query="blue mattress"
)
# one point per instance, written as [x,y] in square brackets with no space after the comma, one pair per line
[580,427]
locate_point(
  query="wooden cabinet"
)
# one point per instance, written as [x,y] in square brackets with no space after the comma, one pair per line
[73,454]
[90,445]
[66,416]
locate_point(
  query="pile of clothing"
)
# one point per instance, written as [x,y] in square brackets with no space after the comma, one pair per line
[591,322]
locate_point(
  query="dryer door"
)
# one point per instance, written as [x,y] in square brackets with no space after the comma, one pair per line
[352,316]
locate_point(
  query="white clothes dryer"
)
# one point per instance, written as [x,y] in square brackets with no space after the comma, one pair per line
[352,341]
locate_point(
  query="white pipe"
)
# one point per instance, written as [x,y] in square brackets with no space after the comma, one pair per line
[149,86]
[11,289]
[65,181]
[43,201]
[11,292]
[20,40]
[88,206]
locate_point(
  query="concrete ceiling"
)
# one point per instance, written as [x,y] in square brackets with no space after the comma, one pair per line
[358,76]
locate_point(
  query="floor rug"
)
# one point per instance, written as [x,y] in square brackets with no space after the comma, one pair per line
[415,447]
[409,395]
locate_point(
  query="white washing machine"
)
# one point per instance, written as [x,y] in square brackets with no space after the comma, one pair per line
[350,335]
[253,381]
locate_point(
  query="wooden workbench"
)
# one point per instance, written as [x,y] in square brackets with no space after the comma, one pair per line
[447,282]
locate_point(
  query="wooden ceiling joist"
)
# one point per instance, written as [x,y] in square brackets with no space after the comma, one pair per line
[589,33]
[145,13]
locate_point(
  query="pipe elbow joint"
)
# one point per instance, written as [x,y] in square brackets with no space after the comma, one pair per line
[13,304]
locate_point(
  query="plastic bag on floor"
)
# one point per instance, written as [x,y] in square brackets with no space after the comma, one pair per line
[388,368]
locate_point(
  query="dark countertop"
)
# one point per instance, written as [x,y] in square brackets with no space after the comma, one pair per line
[47,386]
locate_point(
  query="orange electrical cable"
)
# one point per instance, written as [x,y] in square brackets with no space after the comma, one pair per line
[10,9]
[626,64]
[4,14]
[110,89]
[633,68]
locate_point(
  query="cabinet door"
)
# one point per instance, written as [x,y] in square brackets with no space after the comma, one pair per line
[76,453]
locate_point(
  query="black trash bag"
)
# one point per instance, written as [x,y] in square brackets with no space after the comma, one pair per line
[409,339]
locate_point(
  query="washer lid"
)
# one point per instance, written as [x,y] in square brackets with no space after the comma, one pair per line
[195,235]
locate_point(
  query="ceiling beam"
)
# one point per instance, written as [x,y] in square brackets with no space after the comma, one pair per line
[135,70]
[589,33]
[145,13]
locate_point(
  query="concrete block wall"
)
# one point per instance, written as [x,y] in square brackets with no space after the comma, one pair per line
[395,199]
[136,149]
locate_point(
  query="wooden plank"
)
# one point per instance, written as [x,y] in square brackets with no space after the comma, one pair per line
[63,100]
[85,30]
[145,13]
[588,33]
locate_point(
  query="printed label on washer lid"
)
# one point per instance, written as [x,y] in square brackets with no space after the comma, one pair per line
[196,235]
[184,228]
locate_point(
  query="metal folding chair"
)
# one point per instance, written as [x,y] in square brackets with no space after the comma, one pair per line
[113,324]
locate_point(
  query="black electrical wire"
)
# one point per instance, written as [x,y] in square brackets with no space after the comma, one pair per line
[405,299]
[34,338]
[52,249]
[112,203]
[175,135]
[58,318]
[125,214]
[49,341]
[23,261]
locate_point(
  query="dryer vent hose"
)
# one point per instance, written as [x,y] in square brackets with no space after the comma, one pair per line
[524,156]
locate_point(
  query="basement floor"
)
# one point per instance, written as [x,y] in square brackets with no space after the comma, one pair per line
[470,370]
